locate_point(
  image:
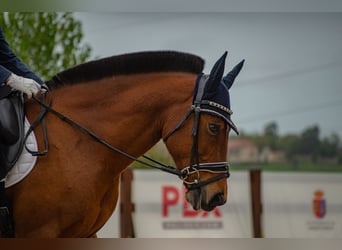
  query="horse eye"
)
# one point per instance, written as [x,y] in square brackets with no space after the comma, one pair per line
[213,128]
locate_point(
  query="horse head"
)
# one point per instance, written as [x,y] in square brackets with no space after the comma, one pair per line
[205,172]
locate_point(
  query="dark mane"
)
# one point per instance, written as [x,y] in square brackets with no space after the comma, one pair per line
[126,64]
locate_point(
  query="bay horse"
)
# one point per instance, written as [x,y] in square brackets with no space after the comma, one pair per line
[104,114]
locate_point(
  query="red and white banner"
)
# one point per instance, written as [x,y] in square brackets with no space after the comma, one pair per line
[295,205]
[161,210]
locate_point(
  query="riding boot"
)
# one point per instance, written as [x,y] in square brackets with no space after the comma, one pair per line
[6,214]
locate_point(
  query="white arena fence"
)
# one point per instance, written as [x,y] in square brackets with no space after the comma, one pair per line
[294,205]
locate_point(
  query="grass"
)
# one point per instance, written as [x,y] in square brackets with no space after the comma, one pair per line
[301,167]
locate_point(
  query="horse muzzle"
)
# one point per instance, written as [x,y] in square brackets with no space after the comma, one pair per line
[204,198]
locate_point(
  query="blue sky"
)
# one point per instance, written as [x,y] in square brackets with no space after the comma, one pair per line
[292,73]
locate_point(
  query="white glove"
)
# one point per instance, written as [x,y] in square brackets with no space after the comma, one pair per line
[28,86]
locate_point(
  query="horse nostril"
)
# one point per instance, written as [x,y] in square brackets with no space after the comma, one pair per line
[217,200]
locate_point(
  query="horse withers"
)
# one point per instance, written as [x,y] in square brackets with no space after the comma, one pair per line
[105,114]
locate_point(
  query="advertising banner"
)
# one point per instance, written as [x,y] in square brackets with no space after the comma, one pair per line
[294,205]
[161,210]
[302,205]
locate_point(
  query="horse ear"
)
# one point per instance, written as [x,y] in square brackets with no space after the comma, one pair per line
[230,77]
[216,74]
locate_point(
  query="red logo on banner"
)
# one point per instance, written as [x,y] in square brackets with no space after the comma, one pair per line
[319,204]
[172,196]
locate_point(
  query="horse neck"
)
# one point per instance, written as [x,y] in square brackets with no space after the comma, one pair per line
[128,111]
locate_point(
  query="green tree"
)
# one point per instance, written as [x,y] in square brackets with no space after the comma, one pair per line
[270,137]
[46,42]
[290,144]
[271,129]
[310,143]
[329,146]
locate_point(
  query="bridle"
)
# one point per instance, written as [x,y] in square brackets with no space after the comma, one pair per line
[194,168]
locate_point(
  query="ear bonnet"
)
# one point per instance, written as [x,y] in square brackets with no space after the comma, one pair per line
[212,91]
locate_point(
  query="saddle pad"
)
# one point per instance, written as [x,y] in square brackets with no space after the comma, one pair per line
[26,161]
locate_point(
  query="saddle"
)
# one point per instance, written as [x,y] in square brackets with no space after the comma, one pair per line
[12,131]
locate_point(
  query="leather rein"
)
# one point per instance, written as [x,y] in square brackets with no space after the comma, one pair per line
[195,167]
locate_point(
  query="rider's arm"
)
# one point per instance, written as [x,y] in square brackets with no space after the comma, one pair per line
[12,64]
[4,75]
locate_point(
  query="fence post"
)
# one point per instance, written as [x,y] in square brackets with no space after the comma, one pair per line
[126,205]
[255,181]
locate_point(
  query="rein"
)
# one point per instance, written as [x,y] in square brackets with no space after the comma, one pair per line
[46,107]
[195,167]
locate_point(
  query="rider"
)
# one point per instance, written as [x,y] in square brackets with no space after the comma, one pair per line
[14,75]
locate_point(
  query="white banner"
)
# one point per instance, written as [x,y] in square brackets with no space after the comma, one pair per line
[302,205]
[161,211]
[295,205]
